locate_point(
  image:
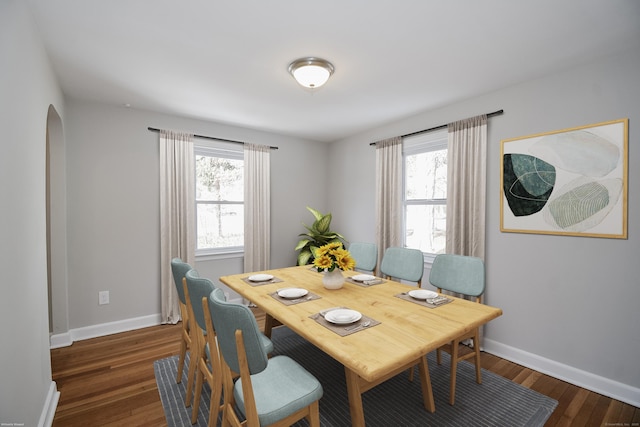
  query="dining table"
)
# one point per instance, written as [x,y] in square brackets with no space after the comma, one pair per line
[393,333]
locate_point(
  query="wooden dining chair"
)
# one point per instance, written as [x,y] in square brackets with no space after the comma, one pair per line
[404,264]
[365,255]
[179,270]
[205,348]
[197,288]
[463,275]
[273,391]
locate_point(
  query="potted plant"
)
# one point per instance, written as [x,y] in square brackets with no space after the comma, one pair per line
[319,234]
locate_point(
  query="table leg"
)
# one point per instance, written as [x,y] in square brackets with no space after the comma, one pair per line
[355,398]
[268,325]
[425,381]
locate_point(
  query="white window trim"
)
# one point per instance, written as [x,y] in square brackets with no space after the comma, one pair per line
[214,148]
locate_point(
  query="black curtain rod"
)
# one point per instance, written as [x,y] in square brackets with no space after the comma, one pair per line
[495,113]
[213,138]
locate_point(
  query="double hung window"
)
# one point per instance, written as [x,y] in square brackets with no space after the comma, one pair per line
[425,191]
[219,198]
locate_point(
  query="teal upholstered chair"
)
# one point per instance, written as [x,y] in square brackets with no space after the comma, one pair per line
[365,255]
[276,391]
[179,270]
[462,275]
[202,355]
[403,263]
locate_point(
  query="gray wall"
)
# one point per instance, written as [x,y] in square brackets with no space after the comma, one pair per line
[570,303]
[113,200]
[27,89]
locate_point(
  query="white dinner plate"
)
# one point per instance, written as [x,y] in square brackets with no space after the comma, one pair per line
[292,293]
[260,277]
[343,316]
[363,277]
[422,294]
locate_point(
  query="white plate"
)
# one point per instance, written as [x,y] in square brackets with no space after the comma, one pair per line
[363,277]
[292,293]
[422,294]
[260,277]
[343,316]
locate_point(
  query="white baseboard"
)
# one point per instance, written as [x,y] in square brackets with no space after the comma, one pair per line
[93,331]
[50,405]
[605,386]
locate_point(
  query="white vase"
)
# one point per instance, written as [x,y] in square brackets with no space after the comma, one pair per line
[333,279]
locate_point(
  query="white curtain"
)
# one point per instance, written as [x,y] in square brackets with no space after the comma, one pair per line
[388,194]
[466,186]
[177,214]
[257,207]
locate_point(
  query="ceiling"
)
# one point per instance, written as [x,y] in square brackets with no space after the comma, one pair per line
[226,61]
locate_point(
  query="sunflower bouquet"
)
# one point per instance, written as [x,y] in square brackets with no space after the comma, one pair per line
[332,256]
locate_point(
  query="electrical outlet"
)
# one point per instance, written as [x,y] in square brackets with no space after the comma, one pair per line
[103,297]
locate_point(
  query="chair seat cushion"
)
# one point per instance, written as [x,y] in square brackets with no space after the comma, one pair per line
[266,343]
[283,388]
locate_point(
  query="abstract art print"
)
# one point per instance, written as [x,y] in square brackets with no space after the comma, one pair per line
[569,182]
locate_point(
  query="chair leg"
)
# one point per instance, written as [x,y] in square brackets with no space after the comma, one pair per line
[476,349]
[196,397]
[214,404]
[314,414]
[454,368]
[193,367]
[183,354]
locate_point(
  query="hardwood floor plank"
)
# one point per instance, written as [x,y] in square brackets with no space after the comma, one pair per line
[109,381]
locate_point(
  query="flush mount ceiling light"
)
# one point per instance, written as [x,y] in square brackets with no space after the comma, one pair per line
[311,72]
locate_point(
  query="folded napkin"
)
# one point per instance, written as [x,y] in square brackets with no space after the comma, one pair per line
[264,282]
[429,302]
[344,330]
[288,301]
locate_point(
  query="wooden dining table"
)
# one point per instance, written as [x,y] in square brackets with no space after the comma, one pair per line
[399,337]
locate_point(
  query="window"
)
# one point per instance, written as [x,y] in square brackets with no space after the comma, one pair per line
[219,198]
[425,191]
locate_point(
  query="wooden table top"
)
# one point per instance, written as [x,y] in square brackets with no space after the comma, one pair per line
[407,330]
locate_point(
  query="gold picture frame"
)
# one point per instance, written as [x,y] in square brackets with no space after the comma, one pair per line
[570,182]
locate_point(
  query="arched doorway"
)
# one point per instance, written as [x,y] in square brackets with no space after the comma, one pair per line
[56,226]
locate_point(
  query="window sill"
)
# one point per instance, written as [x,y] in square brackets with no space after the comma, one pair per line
[209,256]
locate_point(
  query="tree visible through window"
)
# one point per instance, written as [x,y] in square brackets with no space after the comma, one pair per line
[219,199]
[425,191]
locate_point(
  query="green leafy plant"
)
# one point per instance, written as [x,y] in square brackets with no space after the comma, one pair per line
[319,234]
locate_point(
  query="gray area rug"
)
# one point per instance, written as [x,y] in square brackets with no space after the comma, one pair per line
[397,402]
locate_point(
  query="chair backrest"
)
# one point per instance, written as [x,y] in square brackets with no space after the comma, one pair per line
[198,287]
[458,273]
[365,255]
[403,263]
[227,318]
[179,269]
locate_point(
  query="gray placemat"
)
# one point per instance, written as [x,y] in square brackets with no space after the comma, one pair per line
[344,330]
[405,296]
[288,301]
[366,283]
[265,282]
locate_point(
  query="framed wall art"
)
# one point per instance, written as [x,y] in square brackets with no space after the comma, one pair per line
[568,182]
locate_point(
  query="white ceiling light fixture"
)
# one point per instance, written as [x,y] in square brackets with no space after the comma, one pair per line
[311,72]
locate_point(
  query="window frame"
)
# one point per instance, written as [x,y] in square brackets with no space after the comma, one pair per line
[416,144]
[212,148]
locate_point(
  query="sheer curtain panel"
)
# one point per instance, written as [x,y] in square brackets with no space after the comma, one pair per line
[257,207]
[177,214]
[466,186]
[388,194]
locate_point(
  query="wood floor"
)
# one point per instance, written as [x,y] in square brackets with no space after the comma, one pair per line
[109,381]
